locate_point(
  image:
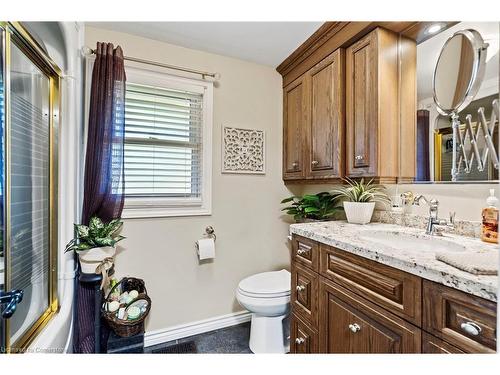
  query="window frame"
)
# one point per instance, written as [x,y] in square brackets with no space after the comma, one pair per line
[144,207]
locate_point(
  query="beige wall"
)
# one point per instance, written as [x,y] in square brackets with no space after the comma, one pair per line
[251,236]
[466,200]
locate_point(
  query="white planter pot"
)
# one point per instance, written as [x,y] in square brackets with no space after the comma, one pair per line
[359,213]
[90,259]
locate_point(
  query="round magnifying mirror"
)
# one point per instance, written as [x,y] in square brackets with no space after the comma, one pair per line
[459,71]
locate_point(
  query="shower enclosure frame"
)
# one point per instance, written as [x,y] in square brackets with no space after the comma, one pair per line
[15,33]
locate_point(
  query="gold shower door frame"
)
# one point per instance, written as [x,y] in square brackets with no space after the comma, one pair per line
[14,32]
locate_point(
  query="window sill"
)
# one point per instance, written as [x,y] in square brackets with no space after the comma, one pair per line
[157,212]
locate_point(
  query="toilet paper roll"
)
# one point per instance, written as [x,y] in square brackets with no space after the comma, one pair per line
[206,248]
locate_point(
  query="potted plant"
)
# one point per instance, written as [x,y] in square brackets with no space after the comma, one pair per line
[95,243]
[360,198]
[321,206]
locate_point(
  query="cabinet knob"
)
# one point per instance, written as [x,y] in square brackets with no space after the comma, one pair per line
[315,162]
[354,327]
[295,164]
[359,157]
[300,288]
[299,340]
[302,251]
[471,328]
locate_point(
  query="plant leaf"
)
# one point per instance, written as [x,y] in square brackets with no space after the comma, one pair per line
[82,231]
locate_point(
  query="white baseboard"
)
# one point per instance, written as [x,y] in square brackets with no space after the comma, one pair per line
[189,329]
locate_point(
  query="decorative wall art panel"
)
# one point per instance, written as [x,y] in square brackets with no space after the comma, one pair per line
[243,150]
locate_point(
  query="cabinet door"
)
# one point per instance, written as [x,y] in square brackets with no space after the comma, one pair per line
[361,107]
[303,338]
[295,103]
[350,324]
[326,138]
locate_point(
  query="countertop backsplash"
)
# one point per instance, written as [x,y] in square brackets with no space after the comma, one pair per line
[462,227]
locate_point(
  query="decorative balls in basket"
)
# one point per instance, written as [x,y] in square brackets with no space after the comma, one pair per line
[126,306]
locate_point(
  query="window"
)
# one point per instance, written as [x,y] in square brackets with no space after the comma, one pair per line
[167,145]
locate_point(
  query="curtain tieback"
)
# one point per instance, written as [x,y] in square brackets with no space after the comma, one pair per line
[102,268]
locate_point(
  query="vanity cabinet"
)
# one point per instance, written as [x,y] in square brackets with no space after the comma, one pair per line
[344,303]
[313,122]
[372,107]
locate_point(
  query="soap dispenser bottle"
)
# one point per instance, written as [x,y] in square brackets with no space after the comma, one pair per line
[489,227]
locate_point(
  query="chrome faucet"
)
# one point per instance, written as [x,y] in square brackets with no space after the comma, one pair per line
[434,220]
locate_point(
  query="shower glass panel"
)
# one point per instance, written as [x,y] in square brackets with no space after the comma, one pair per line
[30,190]
[2,184]
[29,120]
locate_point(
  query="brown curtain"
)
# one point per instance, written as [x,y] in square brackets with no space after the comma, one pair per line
[104,172]
[104,187]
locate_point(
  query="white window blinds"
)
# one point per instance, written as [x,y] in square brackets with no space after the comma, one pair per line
[163,142]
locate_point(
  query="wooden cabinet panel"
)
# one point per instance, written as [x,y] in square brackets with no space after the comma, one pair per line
[433,345]
[372,121]
[351,324]
[303,338]
[305,252]
[463,320]
[362,107]
[326,138]
[294,128]
[304,294]
[395,290]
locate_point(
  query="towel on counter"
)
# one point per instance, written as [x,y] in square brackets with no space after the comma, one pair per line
[478,263]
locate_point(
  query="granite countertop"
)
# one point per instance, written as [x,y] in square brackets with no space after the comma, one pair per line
[423,263]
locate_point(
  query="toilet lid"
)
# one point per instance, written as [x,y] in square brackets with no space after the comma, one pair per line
[268,283]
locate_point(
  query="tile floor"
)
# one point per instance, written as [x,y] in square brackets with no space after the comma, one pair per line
[226,341]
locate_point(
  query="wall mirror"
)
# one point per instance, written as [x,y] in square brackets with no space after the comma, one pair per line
[458,84]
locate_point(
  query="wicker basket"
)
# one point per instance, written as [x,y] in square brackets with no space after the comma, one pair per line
[126,328]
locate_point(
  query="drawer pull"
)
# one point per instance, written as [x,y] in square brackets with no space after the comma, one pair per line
[354,327]
[302,251]
[315,162]
[359,157]
[299,340]
[300,288]
[471,328]
[295,165]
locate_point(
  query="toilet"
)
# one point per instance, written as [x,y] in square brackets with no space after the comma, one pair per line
[267,296]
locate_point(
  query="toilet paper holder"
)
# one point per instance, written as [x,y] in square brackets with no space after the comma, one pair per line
[210,232]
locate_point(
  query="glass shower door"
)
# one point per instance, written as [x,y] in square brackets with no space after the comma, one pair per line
[28,188]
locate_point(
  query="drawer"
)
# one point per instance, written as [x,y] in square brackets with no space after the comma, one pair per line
[392,289]
[433,345]
[304,294]
[465,321]
[305,252]
[303,338]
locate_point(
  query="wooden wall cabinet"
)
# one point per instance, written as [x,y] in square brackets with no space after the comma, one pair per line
[372,107]
[343,303]
[348,109]
[295,112]
[313,122]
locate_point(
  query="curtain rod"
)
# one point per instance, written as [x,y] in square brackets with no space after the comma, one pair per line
[89,51]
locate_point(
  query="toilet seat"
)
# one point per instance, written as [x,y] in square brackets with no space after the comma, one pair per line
[273,284]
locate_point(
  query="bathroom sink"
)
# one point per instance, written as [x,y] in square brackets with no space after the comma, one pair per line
[407,241]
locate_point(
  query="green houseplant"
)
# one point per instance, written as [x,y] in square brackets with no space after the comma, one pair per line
[321,206]
[360,198]
[95,243]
